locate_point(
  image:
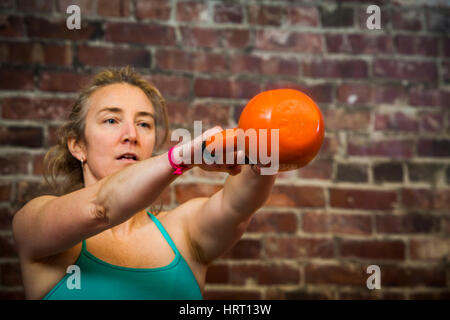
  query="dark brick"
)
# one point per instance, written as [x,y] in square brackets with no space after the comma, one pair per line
[409,223]
[352,172]
[427,172]
[336,17]
[433,148]
[21,136]
[389,172]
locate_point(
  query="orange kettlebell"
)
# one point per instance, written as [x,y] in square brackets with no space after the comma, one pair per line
[296,116]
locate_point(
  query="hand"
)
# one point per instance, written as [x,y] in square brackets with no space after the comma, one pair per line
[184,154]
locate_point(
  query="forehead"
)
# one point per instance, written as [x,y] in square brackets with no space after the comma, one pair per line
[119,95]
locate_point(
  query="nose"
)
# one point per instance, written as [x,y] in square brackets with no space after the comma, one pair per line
[130,133]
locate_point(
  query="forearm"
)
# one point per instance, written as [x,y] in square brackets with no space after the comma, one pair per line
[246,192]
[134,188]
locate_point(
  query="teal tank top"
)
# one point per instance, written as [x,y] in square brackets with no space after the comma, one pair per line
[100,280]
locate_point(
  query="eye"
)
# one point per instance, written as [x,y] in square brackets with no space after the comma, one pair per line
[109,121]
[147,125]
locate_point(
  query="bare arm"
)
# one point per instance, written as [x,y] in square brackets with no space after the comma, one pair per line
[220,220]
[49,225]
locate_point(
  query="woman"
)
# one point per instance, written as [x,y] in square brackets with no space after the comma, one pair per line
[100,222]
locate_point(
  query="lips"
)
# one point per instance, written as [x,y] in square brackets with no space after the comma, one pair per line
[128,157]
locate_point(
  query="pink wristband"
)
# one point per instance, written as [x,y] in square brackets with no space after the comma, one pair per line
[179,169]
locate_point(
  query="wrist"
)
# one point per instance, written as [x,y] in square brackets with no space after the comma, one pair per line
[176,161]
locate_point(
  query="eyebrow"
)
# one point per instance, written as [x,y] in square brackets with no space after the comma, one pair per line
[118,110]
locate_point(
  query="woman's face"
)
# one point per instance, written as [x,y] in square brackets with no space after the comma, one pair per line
[120,119]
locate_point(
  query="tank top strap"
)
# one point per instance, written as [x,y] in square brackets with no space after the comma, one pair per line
[164,232]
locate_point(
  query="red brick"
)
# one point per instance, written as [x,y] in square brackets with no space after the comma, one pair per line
[433,148]
[303,16]
[57,29]
[62,81]
[11,26]
[221,88]
[11,274]
[36,53]
[140,33]
[348,275]
[273,222]
[336,69]
[401,276]
[396,122]
[337,223]
[192,11]
[235,38]
[295,247]
[431,122]
[100,56]
[330,147]
[228,13]
[317,169]
[171,86]
[441,200]
[406,70]
[421,96]
[297,294]
[418,199]
[284,40]
[292,196]
[397,149]
[440,295]
[407,19]
[424,46]
[27,190]
[264,275]
[211,114]
[373,249]
[185,192]
[390,93]
[191,61]
[16,79]
[31,137]
[7,246]
[271,66]
[430,249]
[114,8]
[6,219]
[354,93]
[265,15]
[5,191]
[38,164]
[340,119]
[156,9]
[362,199]
[36,6]
[87,7]
[244,249]
[14,163]
[218,273]
[410,223]
[234,294]
[359,43]
[24,108]
[200,37]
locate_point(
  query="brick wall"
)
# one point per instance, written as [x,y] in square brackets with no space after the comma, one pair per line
[378,193]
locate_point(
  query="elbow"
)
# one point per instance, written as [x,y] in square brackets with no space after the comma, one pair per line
[99,214]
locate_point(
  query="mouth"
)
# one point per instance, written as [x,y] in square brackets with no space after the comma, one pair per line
[128,157]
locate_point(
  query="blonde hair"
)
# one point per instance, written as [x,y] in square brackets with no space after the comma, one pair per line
[59,161]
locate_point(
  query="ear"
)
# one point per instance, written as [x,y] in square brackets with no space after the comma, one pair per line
[76,148]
